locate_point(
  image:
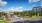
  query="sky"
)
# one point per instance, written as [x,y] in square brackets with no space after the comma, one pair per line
[19,5]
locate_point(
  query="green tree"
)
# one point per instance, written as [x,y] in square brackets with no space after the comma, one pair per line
[0,14]
[31,13]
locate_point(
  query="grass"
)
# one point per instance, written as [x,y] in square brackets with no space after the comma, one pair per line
[4,21]
[7,21]
[35,17]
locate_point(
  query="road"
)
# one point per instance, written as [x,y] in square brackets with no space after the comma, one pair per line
[27,21]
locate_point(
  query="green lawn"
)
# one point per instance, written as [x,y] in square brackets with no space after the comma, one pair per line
[3,21]
[7,21]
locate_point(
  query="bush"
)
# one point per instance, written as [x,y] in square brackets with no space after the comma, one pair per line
[35,17]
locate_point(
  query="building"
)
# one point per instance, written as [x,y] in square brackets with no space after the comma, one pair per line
[37,9]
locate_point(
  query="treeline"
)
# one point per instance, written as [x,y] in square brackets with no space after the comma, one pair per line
[23,13]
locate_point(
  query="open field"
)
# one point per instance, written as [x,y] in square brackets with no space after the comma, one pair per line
[3,21]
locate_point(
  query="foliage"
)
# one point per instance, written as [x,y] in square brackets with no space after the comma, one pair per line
[31,13]
[16,13]
[22,13]
[40,13]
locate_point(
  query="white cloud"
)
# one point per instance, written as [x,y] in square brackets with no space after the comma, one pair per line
[17,9]
[20,7]
[41,5]
[3,3]
[0,9]
[33,5]
[33,1]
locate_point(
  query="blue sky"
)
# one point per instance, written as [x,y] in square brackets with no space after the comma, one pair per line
[21,4]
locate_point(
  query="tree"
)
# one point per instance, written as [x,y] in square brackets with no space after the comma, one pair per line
[31,13]
[0,14]
[40,13]
[4,15]
[16,13]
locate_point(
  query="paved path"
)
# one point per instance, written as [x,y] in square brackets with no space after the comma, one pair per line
[40,21]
